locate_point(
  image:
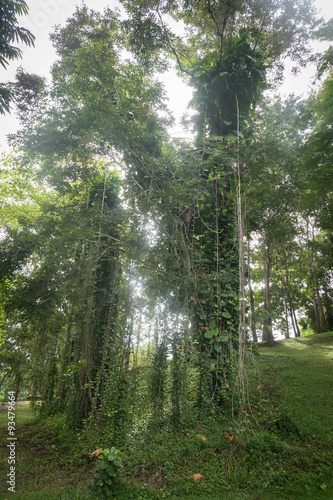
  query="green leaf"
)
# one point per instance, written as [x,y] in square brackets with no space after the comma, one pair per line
[209,334]
[217,347]
[226,314]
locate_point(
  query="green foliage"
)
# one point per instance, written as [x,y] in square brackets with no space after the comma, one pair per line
[236,79]
[107,472]
[11,32]
[120,255]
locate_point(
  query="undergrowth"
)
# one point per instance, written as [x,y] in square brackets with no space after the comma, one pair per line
[281,449]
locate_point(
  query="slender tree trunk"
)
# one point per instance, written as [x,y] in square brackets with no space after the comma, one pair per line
[138,339]
[329,310]
[322,321]
[129,341]
[253,313]
[287,336]
[297,333]
[286,285]
[315,309]
[18,380]
[318,311]
[60,389]
[267,330]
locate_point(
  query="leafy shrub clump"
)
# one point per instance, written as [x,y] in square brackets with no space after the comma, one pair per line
[107,472]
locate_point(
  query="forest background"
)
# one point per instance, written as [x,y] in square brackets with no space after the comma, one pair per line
[138,270]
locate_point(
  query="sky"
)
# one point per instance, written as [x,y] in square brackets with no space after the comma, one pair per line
[45,14]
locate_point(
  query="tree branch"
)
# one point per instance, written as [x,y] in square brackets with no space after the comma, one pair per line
[173,49]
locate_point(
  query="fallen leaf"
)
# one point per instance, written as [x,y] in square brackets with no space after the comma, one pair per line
[227,436]
[198,477]
[200,436]
[95,453]
[200,426]
[260,387]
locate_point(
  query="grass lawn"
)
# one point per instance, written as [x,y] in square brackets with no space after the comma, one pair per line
[40,465]
[284,450]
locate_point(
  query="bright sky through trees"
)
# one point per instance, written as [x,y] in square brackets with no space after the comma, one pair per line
[45,14]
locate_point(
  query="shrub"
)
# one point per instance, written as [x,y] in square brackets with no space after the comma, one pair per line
[107,472]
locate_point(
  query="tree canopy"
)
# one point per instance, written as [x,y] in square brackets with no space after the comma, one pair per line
[11,32]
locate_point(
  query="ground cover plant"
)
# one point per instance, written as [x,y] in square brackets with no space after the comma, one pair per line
[282,450]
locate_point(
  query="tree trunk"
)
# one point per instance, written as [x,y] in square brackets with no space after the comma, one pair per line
[253,314]
[315,309]
[129,342]
[287,336]
[297,333]
[329,310]
[267,330]
[18,383]
[318,311]
[322,321]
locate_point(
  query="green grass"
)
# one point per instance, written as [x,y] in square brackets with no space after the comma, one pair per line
[282,451]
[23,414]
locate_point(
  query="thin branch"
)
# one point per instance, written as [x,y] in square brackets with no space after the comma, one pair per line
[214,20]
[173,49]
[261,28]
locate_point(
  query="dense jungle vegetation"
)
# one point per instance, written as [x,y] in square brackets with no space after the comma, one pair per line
[138,272]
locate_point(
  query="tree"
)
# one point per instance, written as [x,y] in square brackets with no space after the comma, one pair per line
[171,224]
[273,194]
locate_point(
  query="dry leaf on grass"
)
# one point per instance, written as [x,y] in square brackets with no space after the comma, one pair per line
[195,476]
[198,477]
[95,453]
[200,436]
[227,436]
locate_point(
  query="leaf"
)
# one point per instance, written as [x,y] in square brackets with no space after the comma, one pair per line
[229,437]
[212,366]
[223,338]
[217,347]
[226,314]
[198,477]
[209,334]
[95,453]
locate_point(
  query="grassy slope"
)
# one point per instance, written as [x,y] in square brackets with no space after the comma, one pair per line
[283,451]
